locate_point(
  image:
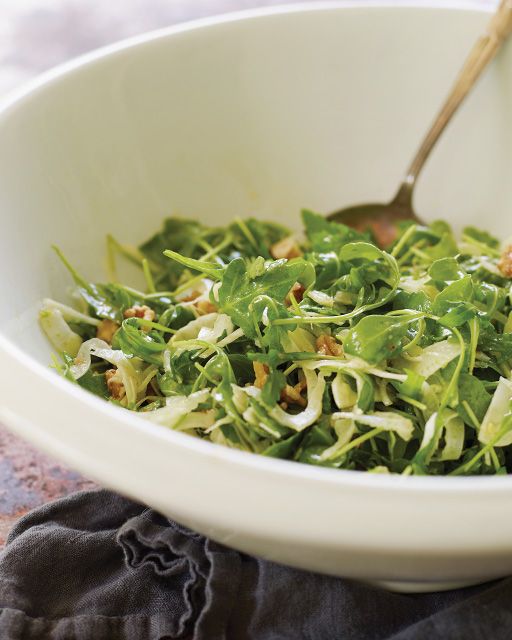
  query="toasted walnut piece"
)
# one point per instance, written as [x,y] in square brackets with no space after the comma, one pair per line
[298,293]
[327,346]
[301,385]
[191,296]
[115,385]
[106,330]
[205,306]
[505,263]
[291,395]
[285,248]
[261,372]
[144,312]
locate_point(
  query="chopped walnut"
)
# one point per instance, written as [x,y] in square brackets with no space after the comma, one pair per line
[298,293]
[261,372]
[327,346]
[144,312]
[191,296]
[106,330]
[205,306]
[291,395]
[505,263]
[115,385]
[285,248]
[201,306]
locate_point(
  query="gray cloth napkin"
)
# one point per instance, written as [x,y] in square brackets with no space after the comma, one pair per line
[96,566]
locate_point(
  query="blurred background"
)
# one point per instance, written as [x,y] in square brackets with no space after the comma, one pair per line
[34,36]
[38,34]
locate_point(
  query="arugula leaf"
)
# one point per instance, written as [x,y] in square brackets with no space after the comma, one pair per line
[404,358]
[285,448]
[497,345]
[134,341]
[256,237]
[482,237]
[445,248]
[325,236]
[376,338]
[238,291]
[472,395]
[417,301]
[446,269]
[94,382]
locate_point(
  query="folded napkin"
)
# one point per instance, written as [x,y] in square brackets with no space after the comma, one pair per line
[96,566]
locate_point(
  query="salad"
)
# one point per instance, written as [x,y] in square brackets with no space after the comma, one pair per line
[323,349]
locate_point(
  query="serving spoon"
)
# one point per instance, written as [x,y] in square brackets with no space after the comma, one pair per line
[382,218]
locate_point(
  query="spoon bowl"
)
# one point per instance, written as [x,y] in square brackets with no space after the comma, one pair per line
[383,219]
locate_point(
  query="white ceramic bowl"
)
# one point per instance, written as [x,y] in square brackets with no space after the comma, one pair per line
[259,113]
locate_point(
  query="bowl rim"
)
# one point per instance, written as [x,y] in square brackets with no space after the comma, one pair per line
[277,467]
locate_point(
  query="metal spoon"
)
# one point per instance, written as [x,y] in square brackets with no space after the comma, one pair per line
[382,218]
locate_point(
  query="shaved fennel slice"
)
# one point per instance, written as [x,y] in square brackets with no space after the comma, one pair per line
[434,357]
[68,313]
[453,437]
[179,412]
[352,367]
[101,349]
[58,332]
[322,298]
[298,340]
[207,328]
[344,396]
[386,420]
[499,409]
[453,431]
[298,422]
[344,429]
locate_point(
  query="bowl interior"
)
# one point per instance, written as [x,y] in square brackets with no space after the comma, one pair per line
[261,116]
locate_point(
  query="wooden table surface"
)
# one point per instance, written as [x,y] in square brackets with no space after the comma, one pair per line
[36,35]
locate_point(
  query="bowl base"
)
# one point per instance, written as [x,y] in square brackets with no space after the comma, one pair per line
[399,586]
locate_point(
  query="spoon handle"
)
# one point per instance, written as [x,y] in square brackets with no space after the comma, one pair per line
[484,50]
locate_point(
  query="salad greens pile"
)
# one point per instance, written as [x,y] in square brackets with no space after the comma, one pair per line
[328,350]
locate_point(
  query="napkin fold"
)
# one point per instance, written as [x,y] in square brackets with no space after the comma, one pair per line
[97,566]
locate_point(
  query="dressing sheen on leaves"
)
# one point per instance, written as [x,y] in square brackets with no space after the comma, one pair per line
[326,351]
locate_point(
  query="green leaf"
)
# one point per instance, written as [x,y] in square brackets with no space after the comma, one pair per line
[317,439]
[376,338]
[180,235]
[445,248]
[360,251]
[253,237]
[105,301]
[176,316]
[417,301]
[458,315]
[182,375]
[497,345]
[460,291]
[238,291]
[94,382]
[285,448]
[325,236]
[472,391]
[446,269]
[273,386]
[134,341]
[210,269]
[413,385]
[482,237]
